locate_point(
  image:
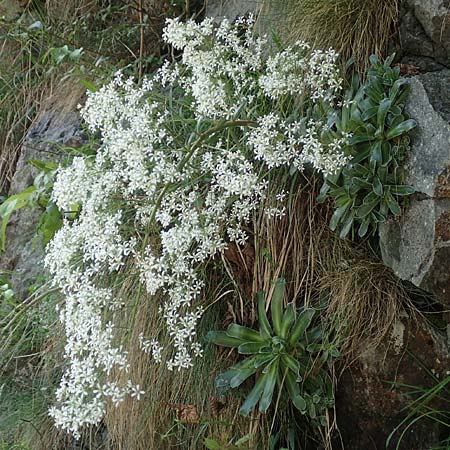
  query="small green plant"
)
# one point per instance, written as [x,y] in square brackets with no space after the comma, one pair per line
[433,405]
[367,190]
[283,354]
[37,195]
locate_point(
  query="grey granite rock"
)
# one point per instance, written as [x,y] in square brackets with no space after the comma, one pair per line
[434,16]
[58,123]
[417,245]
[231,9]
[424,34]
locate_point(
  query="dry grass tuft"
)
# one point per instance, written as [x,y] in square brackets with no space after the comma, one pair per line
[365,299]
[355,28]
[180,409]
[360,297]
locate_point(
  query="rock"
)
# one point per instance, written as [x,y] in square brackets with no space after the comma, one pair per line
[370,403]
[424,34]
[232,9]
[434,16]
[58,123]
[417,245]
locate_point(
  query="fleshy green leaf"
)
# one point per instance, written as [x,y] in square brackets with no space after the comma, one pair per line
[385,105]
[264,326]
[288,319]
[276,305]
[338,215]
[245,334]
[254,396]
[392,204]
[402,190]
[222,338]
[294,391]
[402,128]
[269,386]
[302,323]
[347,227]
[249,348]
[291,363]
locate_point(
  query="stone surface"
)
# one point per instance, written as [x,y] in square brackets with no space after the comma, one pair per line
[370,404]
[58,123]
[231,9]
[424,34]
[417,245]
[434,16]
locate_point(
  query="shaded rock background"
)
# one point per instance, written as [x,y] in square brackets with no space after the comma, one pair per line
[424,34]
[417,245]
[58,123]
[370,403]
[231,9]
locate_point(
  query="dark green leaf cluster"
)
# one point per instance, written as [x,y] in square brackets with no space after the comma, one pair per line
[366,191]
[286,353]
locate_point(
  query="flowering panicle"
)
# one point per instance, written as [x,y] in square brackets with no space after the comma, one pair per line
[187,177]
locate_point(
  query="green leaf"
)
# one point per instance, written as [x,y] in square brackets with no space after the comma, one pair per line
[223,339]
[302,323]
[244,333]
[364,227]
[254,396]
[269,386]
[369,113]
[365,209]
[314,335]
[212,444]
[400,129]
[249,348]
[290,363]
[376,154]
[370,198]
[323,192]
[389,60]
[9,206]
[243,440]
[51,221]
[223,380]
[264,326]
[263,358]
[402,190]
[241,375]
[374,60]
[347,227]
[383,109]
[288,319]
[392,204]
[276,305]
[339,214]
[294,391]
[361,183]
[395,89]
[377,187]
[360,138]
[89,85]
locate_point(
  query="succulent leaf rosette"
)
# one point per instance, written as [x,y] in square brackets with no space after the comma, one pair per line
[285,353]
[372,115]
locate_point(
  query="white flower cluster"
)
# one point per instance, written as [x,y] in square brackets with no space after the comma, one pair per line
[278,143]
[198,178]
[299,71]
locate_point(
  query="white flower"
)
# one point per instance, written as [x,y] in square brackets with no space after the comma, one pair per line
[196,188]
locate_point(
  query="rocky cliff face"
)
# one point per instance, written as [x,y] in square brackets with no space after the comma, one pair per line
[416,247]
[58,123]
